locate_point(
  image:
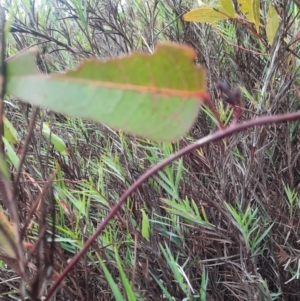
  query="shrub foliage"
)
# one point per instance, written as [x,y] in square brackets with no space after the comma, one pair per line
[221,223]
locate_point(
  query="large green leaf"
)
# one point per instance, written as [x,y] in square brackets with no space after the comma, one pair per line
[155,96]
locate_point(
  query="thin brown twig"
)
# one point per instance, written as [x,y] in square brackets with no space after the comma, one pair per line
[24,150]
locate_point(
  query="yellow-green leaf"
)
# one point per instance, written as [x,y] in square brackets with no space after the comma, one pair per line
[255,5]
[6,230]
[145,225]
[58,143]
[10,133]
[272,24]
[10,153]
[3,167]
[246,7]
[228,7]
[205,14]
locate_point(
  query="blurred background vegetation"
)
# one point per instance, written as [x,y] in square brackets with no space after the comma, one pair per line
[219,224]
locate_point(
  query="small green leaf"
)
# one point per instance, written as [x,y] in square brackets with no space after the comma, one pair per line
[205,14]
[58,143]
[228,7]
[156,96]
[272,24]
[10,133]
[145,225]
[10,153]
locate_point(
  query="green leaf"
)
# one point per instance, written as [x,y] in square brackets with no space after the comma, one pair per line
[261,237]
[155,96]
[3,167]
[58,143]
[10,133]
[162,287]
[228,7]
[127,286]
[111,282]
[145,225]
[204,281]
[272,24]
[246,7]
[22,64]
[10,153]
[205,14]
